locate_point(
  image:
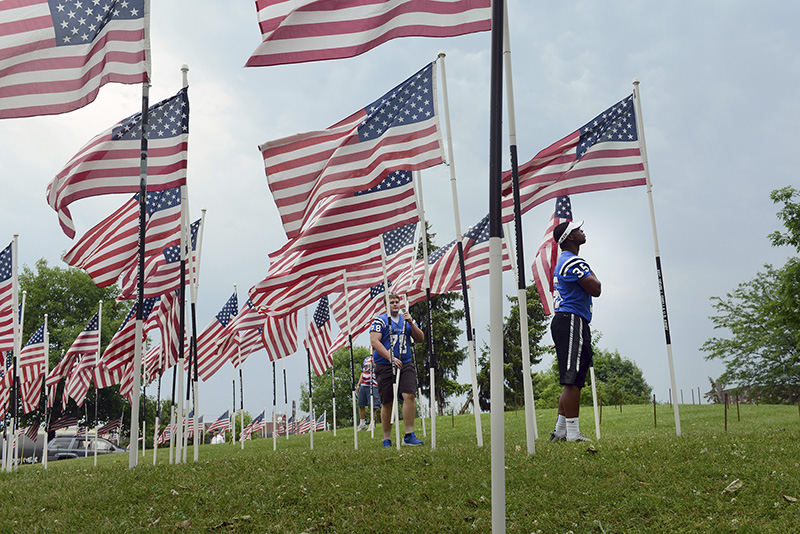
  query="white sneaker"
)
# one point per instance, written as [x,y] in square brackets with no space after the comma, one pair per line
[578,437]
[362,426]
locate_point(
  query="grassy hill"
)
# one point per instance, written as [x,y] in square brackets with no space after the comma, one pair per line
[640,479]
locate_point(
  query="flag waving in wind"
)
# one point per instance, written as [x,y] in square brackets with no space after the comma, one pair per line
[55,55]
[6,296]
[110,162]
[602,154]
[400,130]
[295,31]
[31,368]
[318,339]
[547,255]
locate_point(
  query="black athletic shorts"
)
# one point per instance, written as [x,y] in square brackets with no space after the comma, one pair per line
[385,377]
[573,347]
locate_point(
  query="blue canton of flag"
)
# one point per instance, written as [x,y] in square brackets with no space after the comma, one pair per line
[149,304]
[5,264]
[410,102]
[394,179]
[230,309]
[93,323]
[563,208]
[37,337]
[169,118]
[377,289]
[77,22]
[322,314]
[439,252]
[161,200]
[480,232]
[398,238]
[617,123]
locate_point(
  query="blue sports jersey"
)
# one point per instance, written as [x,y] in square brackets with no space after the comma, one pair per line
[568,295]
[396,339]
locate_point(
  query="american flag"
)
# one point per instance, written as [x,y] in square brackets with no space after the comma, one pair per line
[303,425]
[209,358]
[81,431]
[400,251]
[222,423]
[6,373]
[166,434]
[318,338]
[547,255]
[119,351]
[61,369]
[6,296]
[256,425]
[162,271]
[321,420]
[280,336]
[296,280]
[112,245]
[398,131]
[32,431]
[248,318]
[361,215]
[602,154]
[56,55]
[31,370]
[295,31]
[165,315]
[110,426]
[109,163]
[65,421]
[364,305]
[80,378]
[475,244]
[88,340]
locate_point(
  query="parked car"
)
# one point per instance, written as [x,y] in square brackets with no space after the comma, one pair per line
[63,447]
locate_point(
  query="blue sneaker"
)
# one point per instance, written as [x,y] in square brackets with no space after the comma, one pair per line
[411,439]
[387,443]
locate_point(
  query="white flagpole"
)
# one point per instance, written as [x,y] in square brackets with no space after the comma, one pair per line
[285,399]
[473,373]
[427,286]
[44,384]
[274,402]
[531,431]
[310,391]
[97,359]
[352,372]
[333,399]
[241,392]
[459,244]
[194,284]
[413,279]
[18,391]
[594,403]
[395,410]
[643,145]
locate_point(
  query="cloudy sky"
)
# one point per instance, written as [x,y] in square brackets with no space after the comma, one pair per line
[718,86]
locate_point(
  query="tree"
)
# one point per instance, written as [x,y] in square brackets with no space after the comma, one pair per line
[763,318]
[322,387]
[69,297]
[618,380]
[512,351]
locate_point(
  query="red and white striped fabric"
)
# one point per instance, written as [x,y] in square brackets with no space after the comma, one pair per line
[547,255]
[280,336]
[112,245]
[318,338]
[80,378]
[110,162]
[6,298]
[398,131]
[248,318]
[295,31]
[602,154]
[400,247]
[209,358]
[88,340]
[303,425]
[365,304]
[119,351]
[222,423]
[53,63]
[31,357]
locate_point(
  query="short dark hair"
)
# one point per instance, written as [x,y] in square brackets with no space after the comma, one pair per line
[558,231]
[394,296]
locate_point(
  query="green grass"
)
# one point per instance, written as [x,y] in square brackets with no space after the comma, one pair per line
[640,479]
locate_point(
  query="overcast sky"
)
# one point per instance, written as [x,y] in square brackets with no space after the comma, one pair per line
[719,93]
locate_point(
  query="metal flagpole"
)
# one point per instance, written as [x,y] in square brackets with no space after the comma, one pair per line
[158,411]
[594,403]
[17,334]
[414,360]
[460,245]
[16,385]
[429,329]
[172,417]
[413,352]
[333,398]
[44,385]
[285,398]
[233,386]
[274,404]
[496,274]
[310,390]
[643,145]
[352,363]
[97,359]
[397,372]
[531,431]
[194,284]
[241,395]
[144,401]
[133,458]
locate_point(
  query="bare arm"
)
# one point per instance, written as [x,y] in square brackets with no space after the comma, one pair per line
[591,285]
[416,332]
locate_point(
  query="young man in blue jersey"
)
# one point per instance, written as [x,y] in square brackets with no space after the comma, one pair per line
[391,337]
[574,285]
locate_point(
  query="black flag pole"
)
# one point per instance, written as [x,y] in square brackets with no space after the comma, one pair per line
[498,477]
